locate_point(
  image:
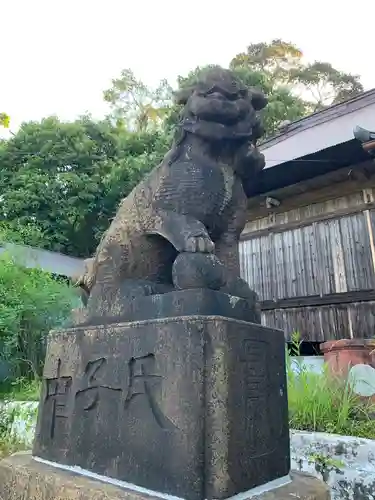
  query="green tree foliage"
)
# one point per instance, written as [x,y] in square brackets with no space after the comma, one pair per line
[65,180]
[282,66]
[20,234]
[31,303]
[135,105]
[4,120]
[325,84]
[62,181]
[275,59]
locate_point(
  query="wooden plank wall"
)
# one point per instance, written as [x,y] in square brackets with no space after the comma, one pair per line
[313,266]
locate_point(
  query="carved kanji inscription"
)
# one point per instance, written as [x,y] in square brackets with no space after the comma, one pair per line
[142,380]
[57,392]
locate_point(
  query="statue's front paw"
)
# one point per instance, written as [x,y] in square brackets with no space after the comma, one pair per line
[201,243]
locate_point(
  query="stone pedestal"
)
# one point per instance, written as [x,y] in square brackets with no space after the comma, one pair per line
[194,407]
[22,478]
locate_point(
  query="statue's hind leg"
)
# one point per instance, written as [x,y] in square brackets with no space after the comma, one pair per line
[121,280]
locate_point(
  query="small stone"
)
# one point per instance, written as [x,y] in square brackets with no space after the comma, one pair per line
[198,270]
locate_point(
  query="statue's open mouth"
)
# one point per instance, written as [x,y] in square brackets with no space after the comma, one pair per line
[216,131]
[217,108]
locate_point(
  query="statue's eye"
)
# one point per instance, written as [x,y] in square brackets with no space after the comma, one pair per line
[212,90]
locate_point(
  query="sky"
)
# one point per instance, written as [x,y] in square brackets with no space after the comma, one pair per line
[58,56]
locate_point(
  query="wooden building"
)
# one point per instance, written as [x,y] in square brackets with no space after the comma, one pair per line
[308,249]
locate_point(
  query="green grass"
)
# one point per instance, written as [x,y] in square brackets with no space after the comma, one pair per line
[8,447]
[8,443]
[318,402]
[20,390]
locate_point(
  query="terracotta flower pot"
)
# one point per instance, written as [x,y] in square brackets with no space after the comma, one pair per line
[341,355]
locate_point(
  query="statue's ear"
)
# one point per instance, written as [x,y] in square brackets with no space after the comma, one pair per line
[258,99]
[182,96]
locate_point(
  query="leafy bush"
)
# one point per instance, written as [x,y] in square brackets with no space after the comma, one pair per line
[32,302]
[21,389]
[8,443]
[319,402]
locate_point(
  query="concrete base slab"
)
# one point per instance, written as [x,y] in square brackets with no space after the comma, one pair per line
[23,478]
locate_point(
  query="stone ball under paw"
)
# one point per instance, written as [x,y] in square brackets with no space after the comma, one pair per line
[198,270]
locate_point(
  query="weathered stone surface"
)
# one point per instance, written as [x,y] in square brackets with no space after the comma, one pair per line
[192,406]
[21,478]
[194,302]
[189,398]
[195,201]
[354,457]
[198,270]
[303,487]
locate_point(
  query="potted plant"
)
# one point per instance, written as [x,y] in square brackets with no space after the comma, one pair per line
[341,355]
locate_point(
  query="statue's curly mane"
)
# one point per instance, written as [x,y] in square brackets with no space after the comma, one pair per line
[219,109]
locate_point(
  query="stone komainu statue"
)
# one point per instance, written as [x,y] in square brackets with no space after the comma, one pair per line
[179,228]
